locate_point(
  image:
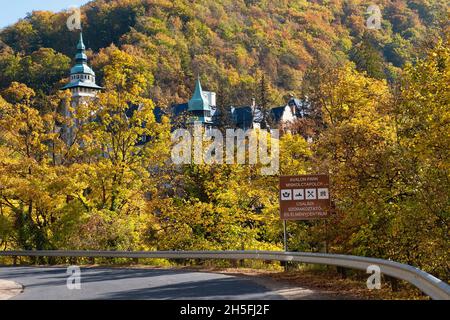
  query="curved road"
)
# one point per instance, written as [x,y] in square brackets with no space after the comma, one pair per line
[135,284]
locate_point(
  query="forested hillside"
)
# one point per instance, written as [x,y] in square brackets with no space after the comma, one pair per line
[228,42]
[381,127]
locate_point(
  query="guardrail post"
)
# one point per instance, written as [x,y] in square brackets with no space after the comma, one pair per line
[342,271]
[394,283]
[52,260]
[73,260]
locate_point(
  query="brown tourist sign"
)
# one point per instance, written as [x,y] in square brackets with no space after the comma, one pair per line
[304,197]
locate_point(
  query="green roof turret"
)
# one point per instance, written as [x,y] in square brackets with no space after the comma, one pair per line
[81,74]
[198,101]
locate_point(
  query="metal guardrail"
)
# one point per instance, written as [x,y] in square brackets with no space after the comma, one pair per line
[428,284]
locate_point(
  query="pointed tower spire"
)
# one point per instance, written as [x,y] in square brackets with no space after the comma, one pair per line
[198,92]
[81,75]
[81,45]
[81,57]
[198,101]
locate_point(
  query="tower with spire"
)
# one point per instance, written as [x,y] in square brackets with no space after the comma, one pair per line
[201,104]
[82,78]
[82,87]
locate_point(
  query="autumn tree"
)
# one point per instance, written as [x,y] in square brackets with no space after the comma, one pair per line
[123,148]
[42,70]
[28,192]
[90,193]
[422,213]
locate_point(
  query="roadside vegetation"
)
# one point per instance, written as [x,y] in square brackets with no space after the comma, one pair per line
[380,128]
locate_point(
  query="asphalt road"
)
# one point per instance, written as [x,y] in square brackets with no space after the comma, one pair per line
[133,284]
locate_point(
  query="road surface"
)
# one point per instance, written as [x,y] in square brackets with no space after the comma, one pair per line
[134,284]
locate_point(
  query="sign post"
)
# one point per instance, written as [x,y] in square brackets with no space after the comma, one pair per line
[304,197]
